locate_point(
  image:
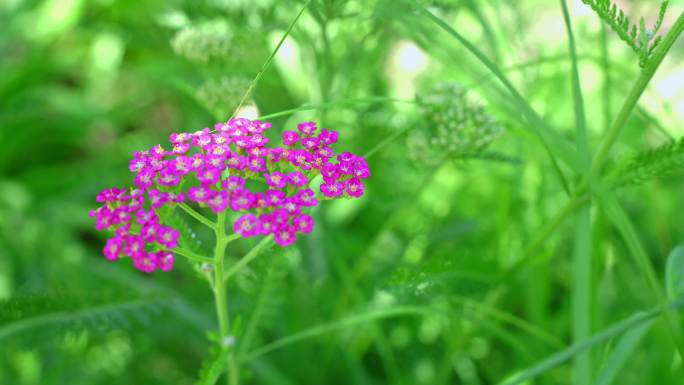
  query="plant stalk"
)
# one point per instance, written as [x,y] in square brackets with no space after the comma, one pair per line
[220,296]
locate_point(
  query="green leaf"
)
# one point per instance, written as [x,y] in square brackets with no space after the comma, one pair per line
[213,366]
[621,353]
[674,273]
[51,314]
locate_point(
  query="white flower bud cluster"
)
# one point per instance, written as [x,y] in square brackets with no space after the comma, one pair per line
[454,125]
[223,94]
[203,42]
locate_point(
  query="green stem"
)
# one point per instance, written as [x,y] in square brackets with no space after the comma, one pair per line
[336,103]
[201,218]
[268,61]
[191,255]
[220,294]
[252,254]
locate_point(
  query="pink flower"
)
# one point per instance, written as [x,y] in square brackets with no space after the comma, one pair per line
[328,137]
[144,179]
[167,237]
[197,162]
[113,248]
[291,205]
[163,260]
[146,216]
[303,223]
[354,187]
[145,263]
[276,179]
[168,178]
[274,154]
[219,202]
[297,179]
[290,138]
[233,183]
[246,225]
[330,172]
[226,162]
[258,140]
[361,169]
[200,194]
[275,197]
[241,200]
[311,143]
[332,189]
[306,198]
[256,164]
[299,158]
[280,217]
[236,162]
[265,224]
[135,246]
[285,236]
[209,176]
[149,232]
[307,128]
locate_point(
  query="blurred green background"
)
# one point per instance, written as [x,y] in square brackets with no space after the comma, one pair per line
[84,83]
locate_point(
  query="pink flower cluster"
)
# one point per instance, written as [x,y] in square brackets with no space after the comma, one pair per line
[229,167]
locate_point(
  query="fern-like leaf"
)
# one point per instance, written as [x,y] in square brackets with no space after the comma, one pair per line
[267,302]
[188,238]
[663,161]
[642,40]
[49,314]
[213,366]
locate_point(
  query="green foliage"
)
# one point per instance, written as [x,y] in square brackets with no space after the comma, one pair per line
[188,238]
[213,366]
[621,353]
[663,161]
[642,40]
[674,274]
[268,302]
[53,314]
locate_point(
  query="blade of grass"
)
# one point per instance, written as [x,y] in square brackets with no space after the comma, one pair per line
[333,326]
[268,61]
[581,309]
[568,353]
[620,219]
[336,103]
[621,353]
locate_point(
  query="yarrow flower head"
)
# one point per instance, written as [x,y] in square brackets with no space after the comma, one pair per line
[454,125]
[228,169]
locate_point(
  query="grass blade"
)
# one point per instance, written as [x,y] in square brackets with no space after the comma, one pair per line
[620,219]
[568,353]
[621,353]
[581,310]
